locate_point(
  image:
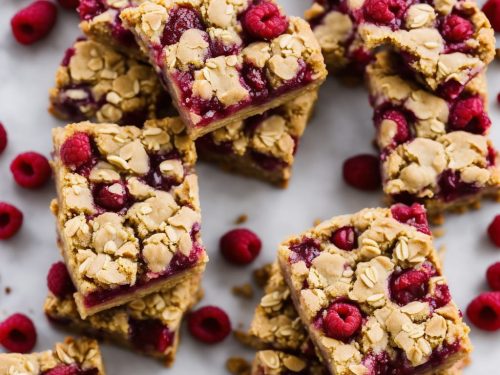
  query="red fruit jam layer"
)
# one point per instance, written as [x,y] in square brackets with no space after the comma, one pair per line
[150,335]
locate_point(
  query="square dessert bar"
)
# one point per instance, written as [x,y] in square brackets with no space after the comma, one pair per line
[149,325]
[226,60]
[433,151]
[128,213]
[80,356]
[262,146]
[95,82]
[370,291]
[271,362]
[443,43]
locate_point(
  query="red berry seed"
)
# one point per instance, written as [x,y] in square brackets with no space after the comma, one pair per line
[76,150]
[34,22]
[264,21]
[209,324]
[18,334]
[345,238]
[492,10]
[362,172]
[342,321]
[3,138]
[469,115]
[64,370]
[494,231]
[484,311]
[493,276]
[240,246]
[11,220]
[69,4]
[58,280]
[31,170]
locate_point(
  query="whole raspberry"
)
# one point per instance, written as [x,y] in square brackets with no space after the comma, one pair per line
[402,128]
[69,4]
[240,246]
[484,311]
[494,231]
[18,334]
[493,276]
[345,238]
[383,11]
[58,280]
[342,321]
[492,10]
[456,29]
[11,220]
[209,324]
[362,172]
[414,215]
[31,170]
[76,150]
[469,115]
[180,20]
[3,138]
[264,21]
[64,370]
[409,285]
[34,22]
[111,197]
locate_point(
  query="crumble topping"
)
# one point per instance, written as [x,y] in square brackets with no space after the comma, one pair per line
[271,362]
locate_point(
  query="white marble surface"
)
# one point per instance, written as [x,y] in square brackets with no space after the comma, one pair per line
[341,128]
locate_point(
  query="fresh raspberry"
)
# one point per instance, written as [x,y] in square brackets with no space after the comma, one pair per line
[362,172]
[264,21]
[3,138]
[59,281]
[180,20]
[493,276]
[11,220]
[409,285]
[69,4]
[34,22]
[492,10]
[469,115]
[240,246]
[76,150]
[111,197]
[88,9]
[494,231]
[31,170]
[209,324]
[383,11]
[456,29]
[414,215]
[64,370]
[484,311]
[402,128]
[345,238]
[18,334]
[342,321]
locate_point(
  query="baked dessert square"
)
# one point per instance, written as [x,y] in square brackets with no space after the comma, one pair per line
[149,325]
[81,356]
[272,362]
[370,291]
[433,151]
[223,61]
[127,212]
[94,82]
[262,146]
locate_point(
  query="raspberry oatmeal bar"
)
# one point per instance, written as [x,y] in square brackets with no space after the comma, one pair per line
[128,211]
[433,151]
[262,146]
[369,289]
[443,43]
[96,83]
[79,357]
[271,362]
[149,325]
[226,60]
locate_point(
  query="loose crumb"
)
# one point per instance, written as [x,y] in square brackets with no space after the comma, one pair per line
[238,366]
[244,291]
[441,253]
[497,54]
[241,219]
[261,275]
[438,232]
[8,290]
[245,338]
[317,222]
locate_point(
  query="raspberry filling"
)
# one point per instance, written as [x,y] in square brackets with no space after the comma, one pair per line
[150,335]
[469,115]
[112,197]
[451,187]
[71,370]
[89,9]
[413,215]
[179,21]
[341,321]
[70,52]
[305,251]
[402,133]
[345,238]
[384,12]
[264,21]
[122,35]
[155,177]
[456,29]
[268,162]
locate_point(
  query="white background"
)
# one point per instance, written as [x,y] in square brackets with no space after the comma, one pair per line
[341,127]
